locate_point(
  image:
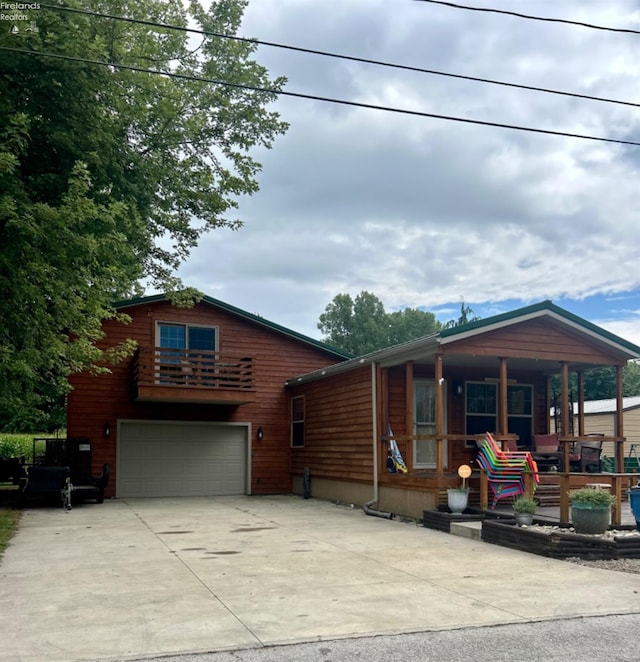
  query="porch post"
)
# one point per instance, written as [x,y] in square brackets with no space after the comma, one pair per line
[382,396]
[580,404]
[439,414]
[503,422]
[619,431]
[409,414]
[564,418]
[548,408]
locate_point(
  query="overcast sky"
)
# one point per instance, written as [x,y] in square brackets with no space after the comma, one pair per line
[424,212]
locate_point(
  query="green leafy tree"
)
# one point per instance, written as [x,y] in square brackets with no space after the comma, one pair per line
[411,323]
[358,326]
[109,176]
[466,316]
[361,326]
[600,384]
[631,378]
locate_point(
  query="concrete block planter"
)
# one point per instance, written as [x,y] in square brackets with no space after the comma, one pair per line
[559,543]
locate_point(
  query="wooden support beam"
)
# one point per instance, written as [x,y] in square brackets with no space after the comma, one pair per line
[619,430]
[503,423]
[382,383]
[409,412]
[580,403]
[564,418]
[439,388]
[484,490]
[564,498]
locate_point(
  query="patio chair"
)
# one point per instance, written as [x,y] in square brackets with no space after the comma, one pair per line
[47,483]
[93,488]
[502,484]
[585,457]
[506,469]
[590,452]
[546,450]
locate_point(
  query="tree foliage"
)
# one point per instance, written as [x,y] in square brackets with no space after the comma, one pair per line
[466,317]
[109,176]
[600,384]
[362,325]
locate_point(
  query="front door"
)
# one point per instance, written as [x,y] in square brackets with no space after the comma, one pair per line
[424,450]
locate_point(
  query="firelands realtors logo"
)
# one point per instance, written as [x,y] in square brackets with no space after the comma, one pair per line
[16,14]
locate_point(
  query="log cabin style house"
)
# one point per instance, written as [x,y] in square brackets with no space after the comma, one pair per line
[201,408]
[219,401]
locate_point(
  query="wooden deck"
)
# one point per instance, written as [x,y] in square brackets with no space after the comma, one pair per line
[554,488]
[192,376]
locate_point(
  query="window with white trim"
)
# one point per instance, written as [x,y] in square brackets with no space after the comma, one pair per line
[482,409]
[187,336]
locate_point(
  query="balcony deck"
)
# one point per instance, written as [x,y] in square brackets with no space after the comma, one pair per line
[192,376]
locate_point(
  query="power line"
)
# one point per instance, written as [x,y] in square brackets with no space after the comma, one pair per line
[339,56]
[313,97]
[531,18]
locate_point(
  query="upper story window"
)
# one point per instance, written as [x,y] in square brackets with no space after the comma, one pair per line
[187,336]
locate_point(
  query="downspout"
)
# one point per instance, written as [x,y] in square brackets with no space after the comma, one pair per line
[374,407]
[368,507]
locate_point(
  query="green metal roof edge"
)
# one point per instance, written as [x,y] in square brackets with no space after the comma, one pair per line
[154,298]
[540,307]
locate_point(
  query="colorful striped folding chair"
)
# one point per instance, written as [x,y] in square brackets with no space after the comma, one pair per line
[506,469]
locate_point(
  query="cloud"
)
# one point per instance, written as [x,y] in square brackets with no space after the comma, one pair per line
[421,211]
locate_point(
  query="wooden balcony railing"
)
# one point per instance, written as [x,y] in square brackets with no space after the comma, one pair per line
[192,376]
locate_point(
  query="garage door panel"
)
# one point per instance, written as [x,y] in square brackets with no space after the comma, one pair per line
[178,459]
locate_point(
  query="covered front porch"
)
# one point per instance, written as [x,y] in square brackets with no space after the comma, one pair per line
[510,376]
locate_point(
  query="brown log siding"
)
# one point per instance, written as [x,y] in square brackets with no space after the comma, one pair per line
[532,339]
[98,399]
[338,427]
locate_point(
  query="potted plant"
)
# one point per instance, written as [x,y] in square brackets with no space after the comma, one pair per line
[458,497]
[591,509]
[524,507]
[634,503]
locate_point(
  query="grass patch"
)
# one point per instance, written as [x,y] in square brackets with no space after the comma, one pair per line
[20,445]
[17,445]
[9,518]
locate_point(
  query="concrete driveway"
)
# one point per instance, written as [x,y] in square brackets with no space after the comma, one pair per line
[144,577]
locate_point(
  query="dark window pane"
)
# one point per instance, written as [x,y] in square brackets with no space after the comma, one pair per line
[297,434]
[202,338]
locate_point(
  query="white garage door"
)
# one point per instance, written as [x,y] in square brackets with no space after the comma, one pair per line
[157,459]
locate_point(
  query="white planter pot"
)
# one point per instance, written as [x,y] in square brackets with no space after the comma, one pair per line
[457,500]
[524,518]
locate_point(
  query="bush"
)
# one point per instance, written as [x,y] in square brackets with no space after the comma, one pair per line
[17,445]
[524,504]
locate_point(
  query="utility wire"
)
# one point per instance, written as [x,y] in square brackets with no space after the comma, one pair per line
[339,56]
[313,97]
[531,18]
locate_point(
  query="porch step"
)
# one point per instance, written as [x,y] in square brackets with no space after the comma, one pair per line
[471,530]
[548,495]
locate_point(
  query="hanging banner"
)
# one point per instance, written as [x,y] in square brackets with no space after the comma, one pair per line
[395,457]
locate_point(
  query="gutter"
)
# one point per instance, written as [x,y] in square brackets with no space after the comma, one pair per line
[374,408]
